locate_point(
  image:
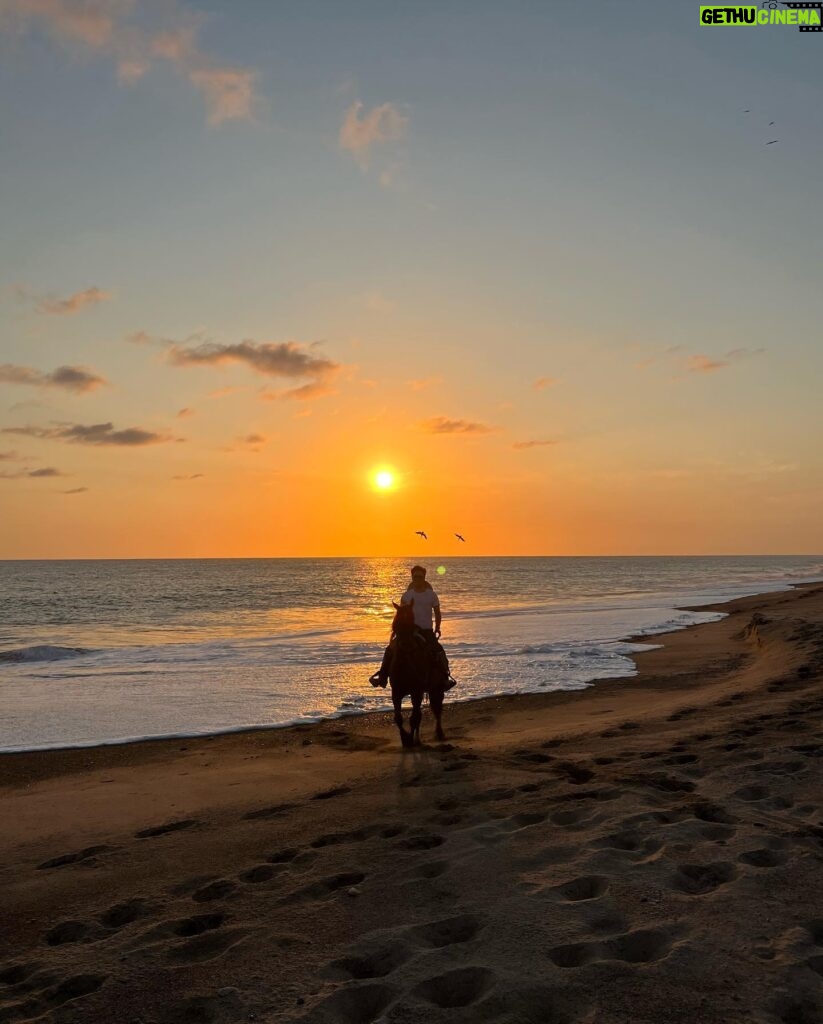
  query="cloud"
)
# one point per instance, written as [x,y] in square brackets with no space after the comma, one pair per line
[71,378]
[72,304]
[191,476]
[183,414]
[75,490]
[137,43]
[9,457]
[744,353]
[544,382]
[253,439]
[47,471]
[523,445]
[375,127]
[284,359]
[443,425]
[700,362]
[424,382]
[304,393]
[94,434]
[376,302]
[705,364]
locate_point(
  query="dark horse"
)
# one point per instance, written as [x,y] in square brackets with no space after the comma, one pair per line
[411,675]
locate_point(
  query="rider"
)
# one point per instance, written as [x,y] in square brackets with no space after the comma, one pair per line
[426,604]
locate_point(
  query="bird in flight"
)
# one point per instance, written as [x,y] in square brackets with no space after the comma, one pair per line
[460,537]
[771,123]
[772,142]
[747,111]
[421,533]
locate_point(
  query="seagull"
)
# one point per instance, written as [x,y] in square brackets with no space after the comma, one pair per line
[772,142]
[421,533]
[460,537]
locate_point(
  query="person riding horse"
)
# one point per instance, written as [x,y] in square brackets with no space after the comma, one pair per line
[425,604]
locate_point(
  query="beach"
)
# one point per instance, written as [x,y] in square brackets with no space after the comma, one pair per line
[646,849]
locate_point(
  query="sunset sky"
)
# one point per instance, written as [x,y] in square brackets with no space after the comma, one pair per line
[534,259]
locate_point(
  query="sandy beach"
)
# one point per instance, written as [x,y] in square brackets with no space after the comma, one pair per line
[646,850]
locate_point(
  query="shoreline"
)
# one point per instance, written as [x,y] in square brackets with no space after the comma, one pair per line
[573,856]
[21,763]
[646,639]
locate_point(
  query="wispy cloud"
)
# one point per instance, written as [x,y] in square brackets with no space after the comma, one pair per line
[44,473]
[189,476]
[75,490]
[93,434]
[71,378]
[183,414]
[523,445]
[544,382]
[68,306]
[122,31]
[361,129]
[9,457]
[444,425]
[424,382]
[376,302]
[304,393]
[707,364]
[699,362]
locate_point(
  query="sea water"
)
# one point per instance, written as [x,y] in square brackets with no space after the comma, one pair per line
[107,651]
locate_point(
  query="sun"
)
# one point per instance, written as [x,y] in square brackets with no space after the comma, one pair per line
[383,479]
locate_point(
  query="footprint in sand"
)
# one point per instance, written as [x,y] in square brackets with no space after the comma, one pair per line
[356,1004]
[587,887]
[422,841]
[642,946]
[122,914]
[327,794]
[574,773]
[699,879]
[374,960]
[48,996]
[460,987]
[68,932]
[218,890]
[166,829]
[631,842]
[448,932]
[327,886]
[89,854]
[273,811]
[763,858]
[260,873]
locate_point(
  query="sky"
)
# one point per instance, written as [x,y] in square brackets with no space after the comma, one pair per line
[538,261]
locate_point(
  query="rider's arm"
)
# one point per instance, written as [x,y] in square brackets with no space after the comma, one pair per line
[437,618]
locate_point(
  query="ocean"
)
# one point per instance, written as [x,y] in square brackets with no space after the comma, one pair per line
[98,652]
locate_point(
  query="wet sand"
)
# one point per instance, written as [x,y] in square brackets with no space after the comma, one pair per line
[647,850]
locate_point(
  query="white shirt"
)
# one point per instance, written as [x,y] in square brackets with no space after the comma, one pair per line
[425,601]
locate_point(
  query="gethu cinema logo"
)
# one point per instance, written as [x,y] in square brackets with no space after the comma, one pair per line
[807,16]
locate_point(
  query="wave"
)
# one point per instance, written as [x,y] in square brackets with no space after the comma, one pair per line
[43,652]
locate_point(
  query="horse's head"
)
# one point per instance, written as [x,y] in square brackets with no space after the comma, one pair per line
[403,622]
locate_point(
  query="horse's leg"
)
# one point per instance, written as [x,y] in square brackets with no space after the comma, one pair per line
[397,700]
[416,715]
[436,704]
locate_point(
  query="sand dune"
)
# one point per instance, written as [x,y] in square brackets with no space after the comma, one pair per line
[646,850]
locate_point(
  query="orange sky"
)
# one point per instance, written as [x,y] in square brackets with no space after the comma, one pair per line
[573,303]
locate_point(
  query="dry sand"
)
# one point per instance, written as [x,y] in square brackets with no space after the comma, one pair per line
[647,850]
